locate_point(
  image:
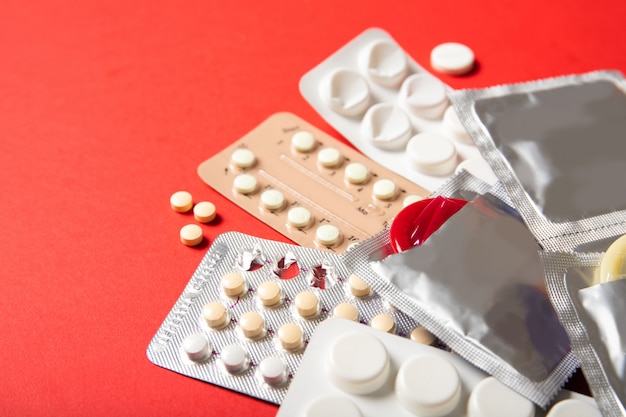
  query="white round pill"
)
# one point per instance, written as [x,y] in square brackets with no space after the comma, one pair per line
[424,96]
[191,235]
[299,217]
[273,370]
[491,398]
[334,406]
[452,58]
[328,235]
[181,201]
[329,157]
[358,363]
[386,127]
[303,141]
[196,347]
[428,386]
[346,92]
[245,183]
[455,128]
[272,199]
[385,189]
[574,407]
[356,173]
[243,158]
[204,212]
[234,358]
[432,154]
[384,63]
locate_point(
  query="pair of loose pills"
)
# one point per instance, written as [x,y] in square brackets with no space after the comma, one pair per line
[203,212]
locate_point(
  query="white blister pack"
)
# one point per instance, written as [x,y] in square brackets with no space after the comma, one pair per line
[244,319]
[392,110]
[351,370]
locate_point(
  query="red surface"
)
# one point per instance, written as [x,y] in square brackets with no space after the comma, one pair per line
[107,107]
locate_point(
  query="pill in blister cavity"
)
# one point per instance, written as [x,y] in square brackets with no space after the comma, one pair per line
[307,304]
[245,184]
[452,58]
[346,311]
[385,189]
[410,199]
[358,287]
[432,154]
[332,406]
[303,141]
[196,347]
[574,407]
[613,264]
[455,128]
[346,92]
[204,212]
[491,398]
[421,335]
[233,284]
[358,363]
[290,336]
[386,126]
[383,322]
[273,371]
[384,63]
[328,235]
[252,325]
[272,199]
[356,173]
[215,315]
[329,157]
[234,358]
[424,96]
[181,201]
[191,235]
[429,386]
[243,158]
[269,293]
[299,217]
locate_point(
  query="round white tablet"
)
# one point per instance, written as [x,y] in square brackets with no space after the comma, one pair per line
[384,189]
[452,58]
[234,358]
[303,141]
[334,406]
[245,183]
[346,92]
[358,363]
[491,398]
[432,154]
[574,407]
[429,386]
[356,173]
[384,63]
[386,126]
[455,128]
[299,217]
[272,199]
[329,157]
[424,96]
[327,235]
[196,347]
[273,370]
[243,158]
[191,235]
[181,201]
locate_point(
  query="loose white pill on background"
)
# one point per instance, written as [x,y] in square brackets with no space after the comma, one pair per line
[424,96]
[215,315]
[191,235]
[385,189]
[196,347]
[346,92]
[234,358]
[329,157]
[328,235]
[432,154]
[491,398]
[233,284]
[383,322]
[272,199]
[252,325]
[303,141]
[356,173]
[452,58]
[269,293]
[273,370]
[307,304]
[204,212]
[181,201]
[384,63]
[574,407]
[332,406]
[358,287]
[290,336]
[386,127]
[299,217]
[243,158]
[245,184]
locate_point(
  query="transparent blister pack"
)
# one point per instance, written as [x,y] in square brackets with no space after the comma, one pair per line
[391,109]
[244,319]
[352,371]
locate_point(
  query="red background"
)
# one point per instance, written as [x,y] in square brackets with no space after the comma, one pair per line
[106,108]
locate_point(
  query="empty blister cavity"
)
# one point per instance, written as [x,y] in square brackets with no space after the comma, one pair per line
[346,92]
[386,127]
[432,154]
[491,398]
[424,96]
[452,58]
[384,63]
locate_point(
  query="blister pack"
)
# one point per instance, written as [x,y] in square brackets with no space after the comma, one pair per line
[244,319]
[309,186]
[394,111]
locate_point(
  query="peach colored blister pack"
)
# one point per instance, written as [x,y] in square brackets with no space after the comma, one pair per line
[314,189]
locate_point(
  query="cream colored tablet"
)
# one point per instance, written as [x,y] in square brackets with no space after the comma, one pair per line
[491,398]
[234,358]
[252,325]
[307,304]
[358,287]
[385,63]
[574,407]
[204,212]
[432,154]
[272,199]
[346,92]
[356,173]
[452,58]
[386,126]
[290,336]
[273,370]
[197,347]
[383,322]
[191,235]
[233,284]
[303,141]
[328,235]
[299,217]
[269,293]
[423,336]
[329,157]
[243,158]
[346,311]
[181,201]
[613,265]
[245,184]
[424,96]
[410,199]
[339,406]
[385,189]
[215,315]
